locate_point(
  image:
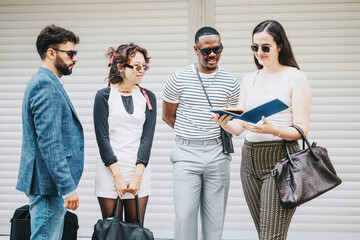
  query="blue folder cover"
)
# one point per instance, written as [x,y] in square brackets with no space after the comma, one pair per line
[254,115]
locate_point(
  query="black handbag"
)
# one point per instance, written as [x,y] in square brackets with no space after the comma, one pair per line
[226,138]
[302,176]
[115,229]
[20,224]
[21,229]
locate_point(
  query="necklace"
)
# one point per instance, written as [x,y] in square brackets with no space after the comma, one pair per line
[125,90]
[217,71]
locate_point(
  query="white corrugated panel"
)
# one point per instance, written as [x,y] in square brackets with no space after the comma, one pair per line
[162,27]
[325,37]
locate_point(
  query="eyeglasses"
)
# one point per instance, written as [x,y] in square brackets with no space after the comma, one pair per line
[71,53]
[207,51]
[264,48]
[138,67]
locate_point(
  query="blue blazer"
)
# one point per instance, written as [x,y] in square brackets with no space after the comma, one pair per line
[52,154]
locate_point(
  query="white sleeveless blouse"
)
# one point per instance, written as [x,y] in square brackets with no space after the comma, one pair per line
[280,119]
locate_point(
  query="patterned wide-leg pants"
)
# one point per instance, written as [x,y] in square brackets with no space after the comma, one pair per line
[258,159]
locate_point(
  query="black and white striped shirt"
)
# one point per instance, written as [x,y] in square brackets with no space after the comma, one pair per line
[193,112]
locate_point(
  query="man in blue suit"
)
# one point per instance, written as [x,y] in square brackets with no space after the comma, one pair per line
[52,156]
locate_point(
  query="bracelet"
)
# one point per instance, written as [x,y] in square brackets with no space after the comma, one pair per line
[277,135]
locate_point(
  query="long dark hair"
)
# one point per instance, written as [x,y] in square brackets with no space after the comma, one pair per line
[122,56]
[274,28]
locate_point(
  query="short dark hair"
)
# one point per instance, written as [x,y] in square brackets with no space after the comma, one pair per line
[274,28]
[205,31]
[122,55]
[52,35]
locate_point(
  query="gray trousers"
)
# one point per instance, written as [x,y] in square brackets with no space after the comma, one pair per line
[201,179]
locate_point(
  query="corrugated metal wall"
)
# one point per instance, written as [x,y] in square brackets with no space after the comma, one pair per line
[325,37]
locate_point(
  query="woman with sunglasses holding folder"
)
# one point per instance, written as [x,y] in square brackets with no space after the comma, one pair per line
[278,77]
[124,121]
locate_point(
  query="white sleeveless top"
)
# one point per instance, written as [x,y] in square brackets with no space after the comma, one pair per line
[280,119]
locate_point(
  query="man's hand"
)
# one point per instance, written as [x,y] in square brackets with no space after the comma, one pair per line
[72,202]
[169,113]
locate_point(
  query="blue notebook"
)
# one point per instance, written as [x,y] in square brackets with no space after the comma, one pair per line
[254,115]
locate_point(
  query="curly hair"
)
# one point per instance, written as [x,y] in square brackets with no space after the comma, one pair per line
[52,35]
[122,55]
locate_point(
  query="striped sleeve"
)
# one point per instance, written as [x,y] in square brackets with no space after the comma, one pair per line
[234,95]
[171,91]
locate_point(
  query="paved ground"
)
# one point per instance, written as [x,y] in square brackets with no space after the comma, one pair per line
[7,238]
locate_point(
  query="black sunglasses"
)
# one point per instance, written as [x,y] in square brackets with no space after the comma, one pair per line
[138,67]
[207,51]
[71,53]
[264,48]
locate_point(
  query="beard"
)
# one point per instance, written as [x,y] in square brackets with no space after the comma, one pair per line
[62,67]
[210,68]
[206,66]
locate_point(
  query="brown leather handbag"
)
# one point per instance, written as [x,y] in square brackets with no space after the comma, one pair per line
[302,176]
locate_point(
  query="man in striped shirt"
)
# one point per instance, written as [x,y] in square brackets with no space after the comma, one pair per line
[201,169]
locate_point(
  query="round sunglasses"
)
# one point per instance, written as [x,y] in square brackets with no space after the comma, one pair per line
[138,67]
[207,51]
[264,48]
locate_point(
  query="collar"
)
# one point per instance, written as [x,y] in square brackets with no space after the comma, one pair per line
[206,75]
[50,73]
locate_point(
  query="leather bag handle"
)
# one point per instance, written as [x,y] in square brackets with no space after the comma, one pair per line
[305,140]
[138,211]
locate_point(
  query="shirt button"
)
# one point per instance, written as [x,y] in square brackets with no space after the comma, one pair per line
[81,148]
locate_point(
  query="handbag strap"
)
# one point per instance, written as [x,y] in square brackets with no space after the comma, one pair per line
[207,97]
[202,84]
[138,211]
[115,212]
[146,97]
[305,140]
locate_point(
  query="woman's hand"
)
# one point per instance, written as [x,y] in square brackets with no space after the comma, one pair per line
[135,183]
[266,127]
[121,186]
